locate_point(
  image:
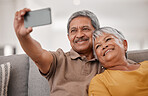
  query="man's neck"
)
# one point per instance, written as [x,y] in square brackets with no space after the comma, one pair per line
[89,55]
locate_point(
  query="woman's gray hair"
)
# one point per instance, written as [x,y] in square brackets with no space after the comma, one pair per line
[85,13]
[108,30]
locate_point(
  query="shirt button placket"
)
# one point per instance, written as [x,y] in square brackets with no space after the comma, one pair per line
[86,68]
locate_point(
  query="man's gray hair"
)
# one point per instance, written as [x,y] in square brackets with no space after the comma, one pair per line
[85,13]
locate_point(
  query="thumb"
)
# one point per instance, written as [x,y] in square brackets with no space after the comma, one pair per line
[29,30]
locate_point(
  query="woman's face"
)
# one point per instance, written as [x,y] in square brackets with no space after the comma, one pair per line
[109,49]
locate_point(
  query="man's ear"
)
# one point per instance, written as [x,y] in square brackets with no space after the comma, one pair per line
[125,44]
[68,37]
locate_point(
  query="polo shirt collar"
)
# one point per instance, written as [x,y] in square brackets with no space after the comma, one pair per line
[75,55]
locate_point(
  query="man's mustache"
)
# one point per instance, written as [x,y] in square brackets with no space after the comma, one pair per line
[81,39]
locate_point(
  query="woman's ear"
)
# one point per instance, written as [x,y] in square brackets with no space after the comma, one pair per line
[125,44]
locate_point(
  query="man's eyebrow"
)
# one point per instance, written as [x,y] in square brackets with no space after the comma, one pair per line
[81,27]
[85,26]
[73,28]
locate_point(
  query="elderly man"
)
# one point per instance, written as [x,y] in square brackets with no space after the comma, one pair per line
[68,73]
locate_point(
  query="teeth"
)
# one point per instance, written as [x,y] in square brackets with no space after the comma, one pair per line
[107,51]
[80,41]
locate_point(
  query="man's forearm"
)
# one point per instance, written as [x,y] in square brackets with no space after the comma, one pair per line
[32,48]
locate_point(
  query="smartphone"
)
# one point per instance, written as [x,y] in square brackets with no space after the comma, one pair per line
[37,18]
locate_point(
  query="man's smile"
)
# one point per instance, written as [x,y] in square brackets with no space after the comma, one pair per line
[81,40]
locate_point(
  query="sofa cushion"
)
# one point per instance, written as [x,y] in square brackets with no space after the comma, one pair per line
[4,78]
[38,85]
[138,55]
[18,84]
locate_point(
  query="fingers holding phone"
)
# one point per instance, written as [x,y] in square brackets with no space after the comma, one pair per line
[37,18]
[26,19]
[19,23]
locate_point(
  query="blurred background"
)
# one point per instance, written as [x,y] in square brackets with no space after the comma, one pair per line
[128,16]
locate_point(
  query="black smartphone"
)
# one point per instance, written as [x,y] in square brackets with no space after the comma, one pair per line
[37,18]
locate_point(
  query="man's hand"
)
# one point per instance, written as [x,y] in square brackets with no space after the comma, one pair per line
[19,27]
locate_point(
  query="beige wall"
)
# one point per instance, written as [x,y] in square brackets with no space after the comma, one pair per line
[7,12]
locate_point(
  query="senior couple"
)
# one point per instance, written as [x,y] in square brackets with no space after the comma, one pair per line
[95,66]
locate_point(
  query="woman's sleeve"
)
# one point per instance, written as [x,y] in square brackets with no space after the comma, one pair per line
[97,88]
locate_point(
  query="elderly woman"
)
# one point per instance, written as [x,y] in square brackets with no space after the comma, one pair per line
[119,78]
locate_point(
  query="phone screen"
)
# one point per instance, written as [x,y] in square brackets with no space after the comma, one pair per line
[37,18]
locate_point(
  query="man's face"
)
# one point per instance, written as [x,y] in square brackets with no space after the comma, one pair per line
[80,34]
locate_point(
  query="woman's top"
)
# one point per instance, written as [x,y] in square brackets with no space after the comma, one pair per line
[121,83]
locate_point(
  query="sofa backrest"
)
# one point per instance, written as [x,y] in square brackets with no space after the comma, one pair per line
[25,79]
[37,84]
[138,55]
[18,83]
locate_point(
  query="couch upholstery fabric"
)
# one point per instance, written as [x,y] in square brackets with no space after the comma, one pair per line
[18,83]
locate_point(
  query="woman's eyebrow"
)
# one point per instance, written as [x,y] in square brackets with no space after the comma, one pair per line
[103,39]
[97,43]
[107,36]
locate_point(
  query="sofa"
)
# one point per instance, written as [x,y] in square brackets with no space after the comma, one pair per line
[25,79]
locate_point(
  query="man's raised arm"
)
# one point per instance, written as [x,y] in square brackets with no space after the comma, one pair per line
[33,49]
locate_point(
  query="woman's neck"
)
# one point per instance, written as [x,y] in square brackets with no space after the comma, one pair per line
[125,67]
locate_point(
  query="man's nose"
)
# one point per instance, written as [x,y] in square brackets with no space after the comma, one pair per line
[80,33]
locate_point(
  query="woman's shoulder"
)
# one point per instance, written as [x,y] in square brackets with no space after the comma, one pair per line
[96,79]
[144,62]
[99,77]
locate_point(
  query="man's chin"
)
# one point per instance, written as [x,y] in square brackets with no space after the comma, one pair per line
[81,50]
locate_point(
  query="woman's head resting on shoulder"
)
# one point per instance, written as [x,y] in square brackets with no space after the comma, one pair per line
[110,46]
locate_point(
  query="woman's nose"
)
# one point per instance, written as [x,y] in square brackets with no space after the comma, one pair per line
[105,46]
